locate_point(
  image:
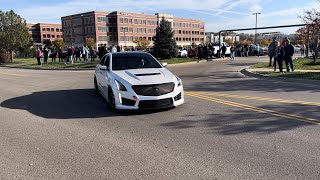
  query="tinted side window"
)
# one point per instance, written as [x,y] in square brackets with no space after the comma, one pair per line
[102,60]
[107,61]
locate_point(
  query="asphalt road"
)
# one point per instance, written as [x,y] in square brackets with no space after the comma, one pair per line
[53,126]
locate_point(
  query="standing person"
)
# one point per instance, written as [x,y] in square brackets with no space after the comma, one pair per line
[100,51]
[85,54]
[279,57]
[302,49]
[78,54]
[53,54]
[38,55]
[288,53]
[242,51]
[45,55]
[113,49]
[272,50]
[91,54]
[70,55]
[246,50]
[199,49]
[118,49]
[60,54]
[257,50]
[232,53]
[223,51]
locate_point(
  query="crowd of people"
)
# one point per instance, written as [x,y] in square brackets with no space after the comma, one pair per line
[281,52]
[70,54]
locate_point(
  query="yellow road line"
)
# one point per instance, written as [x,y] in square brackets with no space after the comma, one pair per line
[259,98]
[13,74]
[256,109]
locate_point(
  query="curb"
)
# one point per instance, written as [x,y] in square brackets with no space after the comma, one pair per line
[248,73]
[54,69]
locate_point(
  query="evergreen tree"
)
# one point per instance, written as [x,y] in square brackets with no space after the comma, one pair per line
[165,45]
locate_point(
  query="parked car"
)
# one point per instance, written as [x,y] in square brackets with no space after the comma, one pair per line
[136,80]
[183,53]
[265,49]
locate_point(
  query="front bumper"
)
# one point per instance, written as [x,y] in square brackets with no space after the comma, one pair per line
[131,101]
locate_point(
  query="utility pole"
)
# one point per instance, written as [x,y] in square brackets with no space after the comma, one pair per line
[255,35]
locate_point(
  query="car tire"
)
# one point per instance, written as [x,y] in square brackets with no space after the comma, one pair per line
[96,88]
[111,98]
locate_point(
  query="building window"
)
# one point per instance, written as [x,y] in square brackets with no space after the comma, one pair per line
[58,36]
[48,29]
[130,21]
[52,29]
[125,20]
[103,19]
[115,29]
[48,36]
[91,20]
[121,20]
[57,30]
[53,36]
[43,29]
[44,36]
[102,29]
[103,38]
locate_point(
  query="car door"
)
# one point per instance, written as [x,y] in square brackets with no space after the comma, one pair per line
[99,73]
[105,75]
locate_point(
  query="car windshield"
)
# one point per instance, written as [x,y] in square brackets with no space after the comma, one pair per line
[133,61]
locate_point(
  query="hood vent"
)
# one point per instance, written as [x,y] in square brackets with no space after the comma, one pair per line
[148,74]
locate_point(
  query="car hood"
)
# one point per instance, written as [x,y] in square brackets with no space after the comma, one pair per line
[145,76]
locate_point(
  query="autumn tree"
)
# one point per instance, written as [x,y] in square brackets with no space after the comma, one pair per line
[90,42]
[142,44]
[58,43]
[265,42]
[229,41]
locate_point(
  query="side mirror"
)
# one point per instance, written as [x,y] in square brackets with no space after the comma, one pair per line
[164,64]
[103,68]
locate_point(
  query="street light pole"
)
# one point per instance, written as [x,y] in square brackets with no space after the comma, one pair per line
[255,35]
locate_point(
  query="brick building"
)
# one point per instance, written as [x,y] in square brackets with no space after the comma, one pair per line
[122,28]
[41,32]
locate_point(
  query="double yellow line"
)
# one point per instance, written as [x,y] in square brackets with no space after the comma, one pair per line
[260,98]
[252,108]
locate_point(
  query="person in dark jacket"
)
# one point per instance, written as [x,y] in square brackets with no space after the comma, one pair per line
[60,55]
[288,53]
[45,55]
[223,51]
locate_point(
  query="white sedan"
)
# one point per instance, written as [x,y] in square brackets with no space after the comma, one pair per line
[136,80]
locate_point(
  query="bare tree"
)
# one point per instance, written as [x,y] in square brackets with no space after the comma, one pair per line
[312,20]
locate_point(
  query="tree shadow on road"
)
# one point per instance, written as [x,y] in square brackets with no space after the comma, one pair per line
[68,104]
[245,122]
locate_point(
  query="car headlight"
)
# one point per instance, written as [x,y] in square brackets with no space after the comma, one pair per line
[120,86]
[179,81]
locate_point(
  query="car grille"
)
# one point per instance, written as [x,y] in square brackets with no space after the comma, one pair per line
[154,89]
[128,102]
[151,104]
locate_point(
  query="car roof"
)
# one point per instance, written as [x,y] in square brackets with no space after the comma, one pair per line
[129,53]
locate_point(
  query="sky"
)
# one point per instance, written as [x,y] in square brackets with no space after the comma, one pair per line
[217,14]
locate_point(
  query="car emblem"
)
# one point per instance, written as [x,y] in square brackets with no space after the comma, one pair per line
[156,89]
